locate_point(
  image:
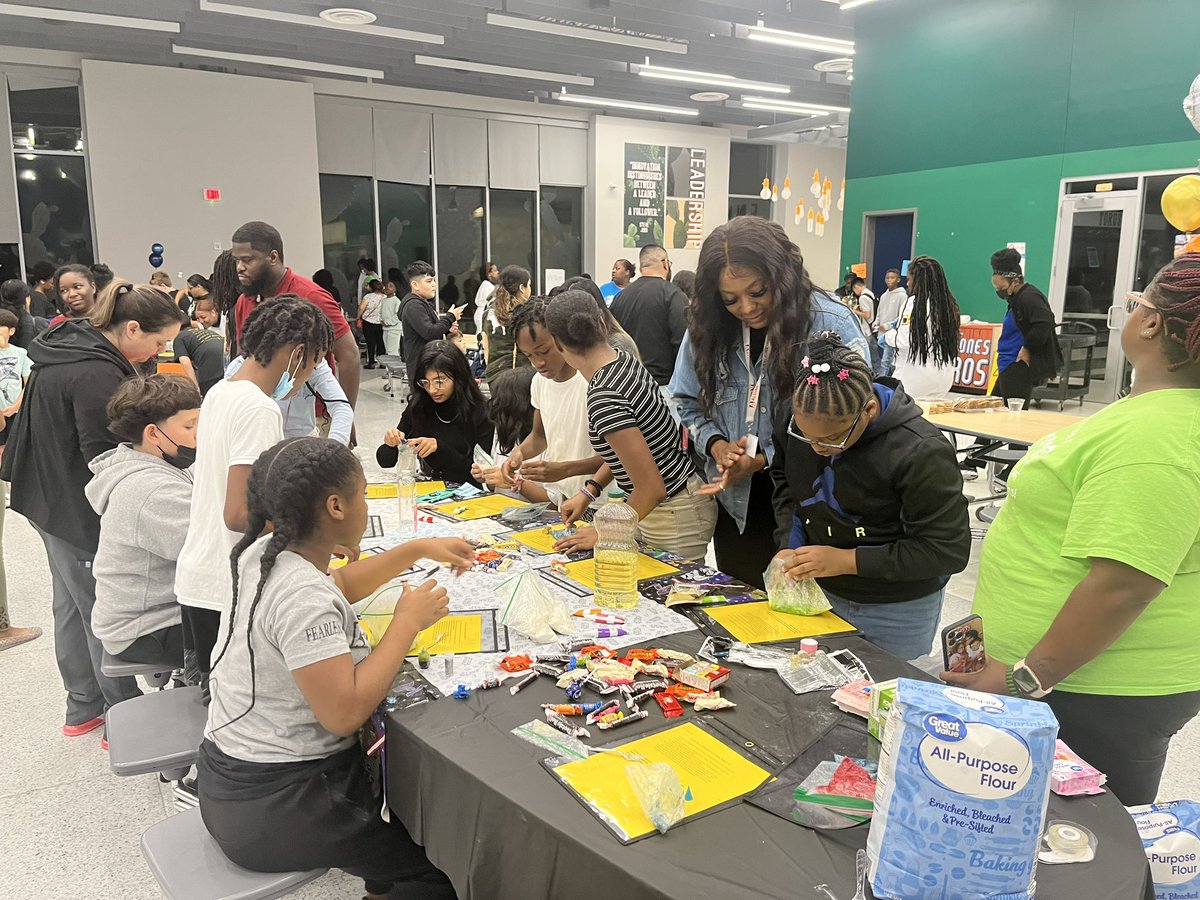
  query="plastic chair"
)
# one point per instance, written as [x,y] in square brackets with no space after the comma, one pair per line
[393,367]
[157,674]
[189,865]
[1072,336]
[158,732]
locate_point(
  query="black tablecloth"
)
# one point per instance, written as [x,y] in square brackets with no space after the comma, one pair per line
[500,826]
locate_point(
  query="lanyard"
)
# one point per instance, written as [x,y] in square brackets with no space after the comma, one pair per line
[756,386]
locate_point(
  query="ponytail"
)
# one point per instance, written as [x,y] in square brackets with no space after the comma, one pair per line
[145,304]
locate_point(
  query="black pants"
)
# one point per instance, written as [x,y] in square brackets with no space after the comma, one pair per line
[1015,382]
[746,555]
[1126,738]
[373,334]
[201,630]
[163,646]
[291,817]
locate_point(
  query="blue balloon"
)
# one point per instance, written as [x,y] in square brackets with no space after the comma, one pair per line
[157,249]
[155,260]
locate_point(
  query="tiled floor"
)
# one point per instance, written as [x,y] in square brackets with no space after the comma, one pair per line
[69,826]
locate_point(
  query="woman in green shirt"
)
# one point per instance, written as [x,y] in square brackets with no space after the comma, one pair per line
[1089,583]
[499,346]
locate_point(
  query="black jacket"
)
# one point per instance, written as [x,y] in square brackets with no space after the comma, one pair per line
[895,495]
[61,427]
[654,312]
[1035,320]
[421,324]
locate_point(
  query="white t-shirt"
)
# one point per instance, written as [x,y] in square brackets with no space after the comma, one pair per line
[921,382]
[301,619]
[564,418]
[482,296]
[237,423]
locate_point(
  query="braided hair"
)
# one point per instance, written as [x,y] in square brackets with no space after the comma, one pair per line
[286,319]
[287,484]
[933,331]
[1175,292]
[841,389]
[528,315]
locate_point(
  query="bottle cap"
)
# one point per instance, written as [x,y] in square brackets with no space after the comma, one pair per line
[615,493]
[808,646]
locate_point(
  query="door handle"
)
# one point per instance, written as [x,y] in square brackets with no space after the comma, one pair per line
[1109,318]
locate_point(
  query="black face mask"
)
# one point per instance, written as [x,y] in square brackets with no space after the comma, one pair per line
[1002,294]
[184,457]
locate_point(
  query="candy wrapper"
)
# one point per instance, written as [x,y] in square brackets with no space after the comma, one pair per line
[658,789]
[1072,776]
[529,608]
[787,595]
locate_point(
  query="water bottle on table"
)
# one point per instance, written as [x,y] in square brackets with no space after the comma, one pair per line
[616,553]
[406,489]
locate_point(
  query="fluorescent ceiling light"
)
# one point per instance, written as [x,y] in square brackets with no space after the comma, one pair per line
[689,77]
[87,18]
[798,39]
[271,15]
[850,4]
[279,61]
[587,34]
[462,65]
[626,104]
[801,107]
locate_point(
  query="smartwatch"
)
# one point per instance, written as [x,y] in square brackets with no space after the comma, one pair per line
[1026,682]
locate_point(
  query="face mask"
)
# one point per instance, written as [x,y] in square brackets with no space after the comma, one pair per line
[184,457]
[287,381]
[1002,293]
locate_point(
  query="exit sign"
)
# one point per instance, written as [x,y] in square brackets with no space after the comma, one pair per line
[212,195]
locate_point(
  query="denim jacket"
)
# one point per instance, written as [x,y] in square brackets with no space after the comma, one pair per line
[733,392]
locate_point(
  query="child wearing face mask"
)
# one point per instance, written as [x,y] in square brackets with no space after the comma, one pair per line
[283,340]
[142,491]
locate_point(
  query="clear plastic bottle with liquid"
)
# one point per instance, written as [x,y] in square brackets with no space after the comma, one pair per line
[406,489]
[616,553]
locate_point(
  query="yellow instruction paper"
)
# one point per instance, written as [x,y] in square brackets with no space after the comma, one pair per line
[459,634]
[584,571]
[538,538]
[388,491]
[478,507]
[713,772]
[757,623]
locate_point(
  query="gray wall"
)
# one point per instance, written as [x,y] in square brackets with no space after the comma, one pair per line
[253,138]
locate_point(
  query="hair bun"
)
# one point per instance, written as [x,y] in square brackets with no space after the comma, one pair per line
[824,346]
[1006,260]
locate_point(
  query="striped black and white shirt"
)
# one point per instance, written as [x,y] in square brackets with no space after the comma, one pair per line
[622,394]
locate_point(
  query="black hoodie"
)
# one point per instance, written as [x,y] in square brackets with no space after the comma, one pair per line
[421,324]
[63,426]
[895,495]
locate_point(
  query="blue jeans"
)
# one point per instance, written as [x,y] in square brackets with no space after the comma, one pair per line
[904,629]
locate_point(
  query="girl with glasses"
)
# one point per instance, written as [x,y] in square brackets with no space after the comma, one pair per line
[868,499]
[445,419]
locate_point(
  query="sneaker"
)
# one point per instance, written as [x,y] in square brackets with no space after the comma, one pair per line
[969,474]
[86,727]
[103,743]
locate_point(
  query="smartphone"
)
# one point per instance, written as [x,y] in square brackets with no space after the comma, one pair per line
[962,645]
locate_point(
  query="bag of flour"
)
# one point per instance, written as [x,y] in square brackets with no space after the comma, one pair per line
[964,778]
[1170,832]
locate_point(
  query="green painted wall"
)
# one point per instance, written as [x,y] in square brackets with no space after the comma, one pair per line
[972,112]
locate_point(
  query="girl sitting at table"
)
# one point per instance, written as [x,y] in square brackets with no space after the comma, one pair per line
[281,778]
[868,499]
[445,419]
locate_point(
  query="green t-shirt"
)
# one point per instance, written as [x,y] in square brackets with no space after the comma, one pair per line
[1122,485]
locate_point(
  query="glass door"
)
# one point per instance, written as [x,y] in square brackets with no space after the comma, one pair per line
[1093,269]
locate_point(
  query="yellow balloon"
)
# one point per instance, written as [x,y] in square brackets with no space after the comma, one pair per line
[1181,203]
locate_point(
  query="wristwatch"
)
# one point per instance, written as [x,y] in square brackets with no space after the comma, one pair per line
[1022,682]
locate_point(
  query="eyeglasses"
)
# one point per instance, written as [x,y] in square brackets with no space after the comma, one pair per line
[794,432]
[1134,299]
[437,383]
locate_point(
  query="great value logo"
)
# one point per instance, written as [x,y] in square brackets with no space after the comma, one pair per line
[945,728]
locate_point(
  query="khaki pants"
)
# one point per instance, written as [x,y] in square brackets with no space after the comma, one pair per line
[683,524]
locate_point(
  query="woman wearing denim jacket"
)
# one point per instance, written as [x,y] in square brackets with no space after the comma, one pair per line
[754,306]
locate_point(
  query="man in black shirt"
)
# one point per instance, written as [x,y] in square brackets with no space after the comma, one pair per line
[419,319]
[654,312]
[43,301]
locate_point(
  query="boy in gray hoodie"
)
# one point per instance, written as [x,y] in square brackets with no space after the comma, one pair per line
[142,490]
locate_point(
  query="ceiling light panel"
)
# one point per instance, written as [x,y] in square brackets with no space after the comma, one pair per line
[850,4]
[87,18]
[462,65]
[584,33]
[270,15]
[626,104]
[801,40]
[277,61]
[686,76]
[799,106]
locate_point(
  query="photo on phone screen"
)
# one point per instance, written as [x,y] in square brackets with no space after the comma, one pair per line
[962,645]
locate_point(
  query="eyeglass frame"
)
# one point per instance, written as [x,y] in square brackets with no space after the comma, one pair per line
[1134,299]
[795,433]
[425,383]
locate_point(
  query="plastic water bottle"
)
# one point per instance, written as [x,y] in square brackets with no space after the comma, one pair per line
[406,489]
[616,553]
